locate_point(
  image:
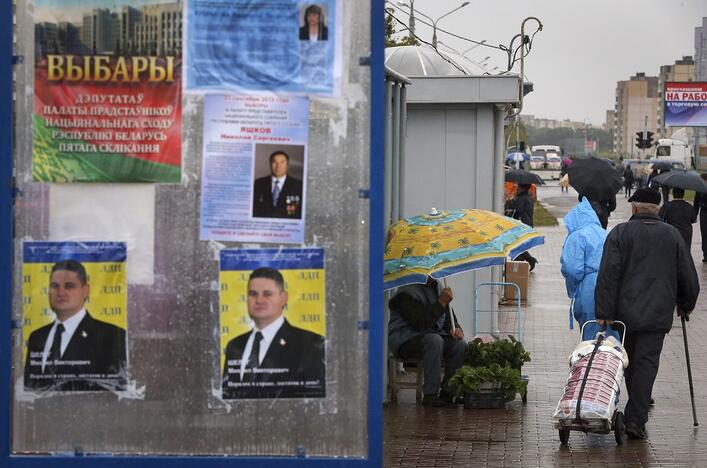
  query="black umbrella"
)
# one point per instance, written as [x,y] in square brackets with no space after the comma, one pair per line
[662,165]
[594,178]
[523,177]
[688,180]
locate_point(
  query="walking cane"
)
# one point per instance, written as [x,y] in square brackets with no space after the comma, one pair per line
[689,371]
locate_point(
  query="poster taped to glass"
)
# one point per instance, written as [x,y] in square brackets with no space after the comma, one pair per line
[74,300]
[273,323]
[280,45]
[253,183]
[107,91]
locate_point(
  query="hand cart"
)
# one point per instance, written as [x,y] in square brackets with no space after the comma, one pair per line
[500,322]
[596,378]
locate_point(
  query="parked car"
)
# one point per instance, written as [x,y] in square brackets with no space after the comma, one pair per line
[554,161]
[537,162]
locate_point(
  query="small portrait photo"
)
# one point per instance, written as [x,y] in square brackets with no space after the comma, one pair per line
[278,181]
[313,23]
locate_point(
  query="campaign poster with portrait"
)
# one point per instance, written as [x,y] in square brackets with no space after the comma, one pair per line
[107,91]
[273,323]
[289,46]
[254,168]
[74,310]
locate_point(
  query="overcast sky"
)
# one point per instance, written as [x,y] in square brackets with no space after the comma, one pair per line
[585,47]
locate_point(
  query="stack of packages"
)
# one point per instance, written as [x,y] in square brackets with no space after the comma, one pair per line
[601,392]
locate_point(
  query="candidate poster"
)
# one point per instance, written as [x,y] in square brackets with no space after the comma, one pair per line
[280,45]
[107,91]
[273,323]
[254,169]
[74,299]
[685,104]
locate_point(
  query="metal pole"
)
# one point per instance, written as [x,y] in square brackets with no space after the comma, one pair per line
[689,372]
[396,153]
[401,150]
[388,163]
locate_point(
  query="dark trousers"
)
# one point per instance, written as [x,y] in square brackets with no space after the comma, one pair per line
[703,230]
[433,349]
[526,257]
[643,350]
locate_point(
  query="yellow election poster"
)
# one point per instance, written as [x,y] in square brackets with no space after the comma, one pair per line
[273,323]
[74,310]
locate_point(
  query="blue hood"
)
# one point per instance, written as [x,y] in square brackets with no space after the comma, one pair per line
[580,216]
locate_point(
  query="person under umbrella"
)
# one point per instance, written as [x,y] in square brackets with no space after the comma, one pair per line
[596,180]
[680,214]
[580,259]
[523,207]
[628,181]
[701,209]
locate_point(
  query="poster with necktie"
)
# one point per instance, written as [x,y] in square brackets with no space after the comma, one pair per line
[74,316]
[254,169]
[272,306]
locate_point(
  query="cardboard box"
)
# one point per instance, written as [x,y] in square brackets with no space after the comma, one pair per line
[516,272]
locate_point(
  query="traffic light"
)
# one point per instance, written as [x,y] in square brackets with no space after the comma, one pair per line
[640,142]
[649,140]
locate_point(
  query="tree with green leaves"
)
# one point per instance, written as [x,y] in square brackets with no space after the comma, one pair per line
[390,32]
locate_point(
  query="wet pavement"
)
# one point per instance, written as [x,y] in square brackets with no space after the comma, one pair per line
[522,435]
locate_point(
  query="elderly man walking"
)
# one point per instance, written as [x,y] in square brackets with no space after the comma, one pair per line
[645,272]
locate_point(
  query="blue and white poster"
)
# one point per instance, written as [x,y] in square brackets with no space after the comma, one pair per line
[254,170]
[249,45]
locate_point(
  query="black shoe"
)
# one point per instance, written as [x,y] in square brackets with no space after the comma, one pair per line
[532,262]
[652,403]
[433,401]
[636,432]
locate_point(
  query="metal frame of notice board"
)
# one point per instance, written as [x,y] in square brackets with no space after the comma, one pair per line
[375,324]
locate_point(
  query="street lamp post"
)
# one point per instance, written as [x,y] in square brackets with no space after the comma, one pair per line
[434,23]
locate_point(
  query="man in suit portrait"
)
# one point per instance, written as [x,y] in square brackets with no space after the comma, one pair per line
[274,359]
[75,352]
[278,195]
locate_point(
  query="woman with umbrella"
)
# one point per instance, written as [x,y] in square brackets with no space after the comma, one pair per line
[628,181]
[523,207]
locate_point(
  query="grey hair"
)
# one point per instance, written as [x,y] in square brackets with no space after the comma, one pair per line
[648,208]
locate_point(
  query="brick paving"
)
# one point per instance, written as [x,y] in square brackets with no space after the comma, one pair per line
[522,435]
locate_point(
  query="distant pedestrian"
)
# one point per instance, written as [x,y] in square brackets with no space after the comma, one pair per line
[646,271]
[581,256]
[701,209]
[563,171]
[522,208]
[680,214]
[628,181]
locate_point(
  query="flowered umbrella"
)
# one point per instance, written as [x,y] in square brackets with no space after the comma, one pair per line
[449,242]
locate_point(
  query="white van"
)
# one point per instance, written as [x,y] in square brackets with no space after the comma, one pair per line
[675,150]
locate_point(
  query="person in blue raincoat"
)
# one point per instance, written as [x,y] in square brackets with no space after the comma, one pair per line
[581,256]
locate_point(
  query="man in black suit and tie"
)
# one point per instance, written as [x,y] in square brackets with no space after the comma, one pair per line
[75,352]
[278,195]
[274,359]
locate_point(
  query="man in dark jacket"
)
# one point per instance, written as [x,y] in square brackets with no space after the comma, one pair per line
[523,207]
[645,272]
[680,214]
[701,209]
[420,326]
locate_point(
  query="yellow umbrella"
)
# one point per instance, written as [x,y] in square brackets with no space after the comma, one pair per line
[449,242]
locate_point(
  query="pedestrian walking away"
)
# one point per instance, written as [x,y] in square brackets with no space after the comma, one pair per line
[701,209]
[628,181]
[680,214]
[421,327]
[581,256]
[646,272]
